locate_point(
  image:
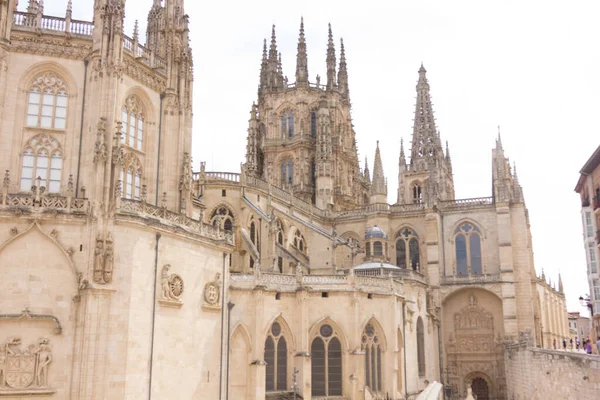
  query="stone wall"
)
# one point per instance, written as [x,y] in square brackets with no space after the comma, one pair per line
[534,373]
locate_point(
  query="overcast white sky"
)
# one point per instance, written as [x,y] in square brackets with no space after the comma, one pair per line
[529,66]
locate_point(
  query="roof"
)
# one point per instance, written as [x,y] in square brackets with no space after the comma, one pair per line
[375,233]
[591,164]
[375,265]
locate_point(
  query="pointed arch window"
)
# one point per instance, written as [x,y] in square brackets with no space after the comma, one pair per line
[276,359]
[467,242]
[287,124]
[42,158]
[132,117]
[287,173]
[299,241]
[313,124]
[417,194]
[47,102]
[371,345]
[222,217]
[420,347]
[407,250]
[326,363]
[131,177]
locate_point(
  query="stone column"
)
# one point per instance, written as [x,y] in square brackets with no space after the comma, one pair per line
[302,359]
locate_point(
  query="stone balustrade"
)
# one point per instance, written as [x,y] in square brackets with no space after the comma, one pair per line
[25,21]
[470,279]
[319,282]
[145,210]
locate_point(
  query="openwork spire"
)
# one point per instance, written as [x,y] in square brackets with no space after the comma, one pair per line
[402,161]
[330,62]
[367,173]
[343,72]
[274,77]
[264,66]
[302,58]
[378,187]
[425,142]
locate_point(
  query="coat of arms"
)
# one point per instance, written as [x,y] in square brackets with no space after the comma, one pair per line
[24,369]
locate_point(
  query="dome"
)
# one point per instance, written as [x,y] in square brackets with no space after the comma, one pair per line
[375,233]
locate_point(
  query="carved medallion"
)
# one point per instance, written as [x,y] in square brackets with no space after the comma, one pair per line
[212,294]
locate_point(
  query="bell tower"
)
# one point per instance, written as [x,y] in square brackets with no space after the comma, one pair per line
[300,134]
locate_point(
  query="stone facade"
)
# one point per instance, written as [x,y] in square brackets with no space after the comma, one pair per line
[124,271]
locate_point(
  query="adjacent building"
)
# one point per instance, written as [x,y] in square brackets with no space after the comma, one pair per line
[126,275]
[588,188]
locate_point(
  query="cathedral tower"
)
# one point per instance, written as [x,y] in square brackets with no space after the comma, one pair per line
[300,134]
[428,176]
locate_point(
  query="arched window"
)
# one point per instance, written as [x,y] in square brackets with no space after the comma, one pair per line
[223,218]
[132,117]
[368,249]
[313,124]
[377,249]
[407,249]
[420,347]
[299,241]
[326,363]
[371,345]
[131,177]
[276,359]
[468,250]
[47,102]
[287,124]
[287,173]
[253,236]
[42,158]
[417,194]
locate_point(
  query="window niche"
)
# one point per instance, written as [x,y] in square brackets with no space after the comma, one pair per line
[467,242]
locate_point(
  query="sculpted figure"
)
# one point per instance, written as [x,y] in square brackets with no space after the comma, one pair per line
[108,259]
[99,261]
[166,291]
[44,359]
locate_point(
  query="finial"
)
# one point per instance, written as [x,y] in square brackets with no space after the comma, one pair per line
[378,144]
[515,171]
[302,24]
[136,30]
[422,70]
[69,7]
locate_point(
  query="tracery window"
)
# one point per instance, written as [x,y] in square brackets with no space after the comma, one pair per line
[132,118]
[326,363]
[407,249]
[299,241]
[287,124]
[47,102]
[42,157]
[131,177]
[287,172]
[468,250]
[223,217]
[371,345]
[420,346]
[313,124]
[276,359]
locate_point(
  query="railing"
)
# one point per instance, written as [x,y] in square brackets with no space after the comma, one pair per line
[32,22]
[223,176]
[128,206]
[43,202]
[398,208]
[467,203]
[466,279]
[396,273]
[292,281]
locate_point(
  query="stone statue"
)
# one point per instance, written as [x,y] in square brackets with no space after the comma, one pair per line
[108,259]
[44,358]
[99,261]
[166,291]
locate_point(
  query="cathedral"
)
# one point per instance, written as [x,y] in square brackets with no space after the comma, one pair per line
[295,276]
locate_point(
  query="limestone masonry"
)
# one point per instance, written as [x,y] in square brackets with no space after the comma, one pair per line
[126,275]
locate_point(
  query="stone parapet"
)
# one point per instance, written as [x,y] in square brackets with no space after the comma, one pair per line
[551,374]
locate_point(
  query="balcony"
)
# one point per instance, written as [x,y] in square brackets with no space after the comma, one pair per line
[470,279]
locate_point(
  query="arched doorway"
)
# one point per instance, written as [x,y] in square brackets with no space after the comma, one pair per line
[480,389]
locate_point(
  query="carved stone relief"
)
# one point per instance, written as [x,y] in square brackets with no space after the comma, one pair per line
[171,288]
[25,371]
[103,259]
[212,294]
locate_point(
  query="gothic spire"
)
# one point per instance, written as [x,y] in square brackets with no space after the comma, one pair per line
[367,174]
[302,58]
[560,283]
[378,186]
[499,143]
[263,69]
[402,161]
[343,72]
[425,141]
[330,62]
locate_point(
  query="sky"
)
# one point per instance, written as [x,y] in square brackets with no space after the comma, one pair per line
[530,67]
